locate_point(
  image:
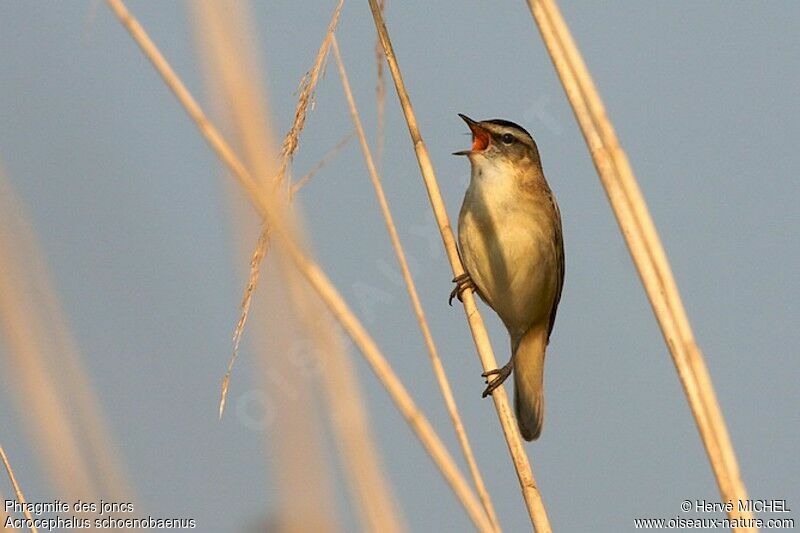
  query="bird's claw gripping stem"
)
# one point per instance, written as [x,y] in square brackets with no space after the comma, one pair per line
[463,283]
[501,374]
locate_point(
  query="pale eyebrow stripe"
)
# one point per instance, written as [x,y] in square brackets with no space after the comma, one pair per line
[519,134]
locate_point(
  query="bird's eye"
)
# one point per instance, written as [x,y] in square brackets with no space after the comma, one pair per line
[507,138]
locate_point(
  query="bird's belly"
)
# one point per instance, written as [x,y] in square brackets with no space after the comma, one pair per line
[513,266]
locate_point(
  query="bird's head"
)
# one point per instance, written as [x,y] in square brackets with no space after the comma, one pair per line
[500,142]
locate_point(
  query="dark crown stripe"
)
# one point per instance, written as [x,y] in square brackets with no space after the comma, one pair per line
[508,124]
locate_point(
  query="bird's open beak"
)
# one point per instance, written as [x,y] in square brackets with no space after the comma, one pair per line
[480,137]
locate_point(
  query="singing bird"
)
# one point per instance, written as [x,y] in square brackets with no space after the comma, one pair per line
[510,241]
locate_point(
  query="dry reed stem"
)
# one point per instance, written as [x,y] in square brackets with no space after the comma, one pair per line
[287,373]
[101,447]
[257,256]
[644,244]
[655,248]
[530,491]
[380,95]
[49,423]
[415,418]
[30,372]
[297,452]
[224,34]
[329,155]
[54,345]
[17,489]
[290,143]
[272,212]
[436,362]
[307,86]
[369,485]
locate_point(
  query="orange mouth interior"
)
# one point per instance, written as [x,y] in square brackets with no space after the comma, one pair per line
[480,140]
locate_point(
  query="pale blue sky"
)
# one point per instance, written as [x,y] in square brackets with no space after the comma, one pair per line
[704,97]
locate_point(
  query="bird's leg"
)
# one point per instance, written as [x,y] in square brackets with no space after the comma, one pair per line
[501,374]
[463,283]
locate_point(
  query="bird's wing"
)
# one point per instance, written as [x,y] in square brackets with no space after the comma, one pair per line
[558,243]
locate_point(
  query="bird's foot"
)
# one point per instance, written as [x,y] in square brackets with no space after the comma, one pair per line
[463,283]
[501,374]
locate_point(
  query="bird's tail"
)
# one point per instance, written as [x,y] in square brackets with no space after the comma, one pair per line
[528,382]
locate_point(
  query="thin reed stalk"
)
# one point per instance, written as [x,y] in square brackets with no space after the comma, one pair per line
[98,440]
[380,95]
[436,362]
[297,452]
[288,377]
[414,417]
[370,487]
[307,86]
[329,155]
[530,491]
[645,247]
[46,373]
[53,351]
[655,248]
[290,144]
[225,33]
[30,369]
[17,489]
[273,212]
[50,350]
[54,346]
